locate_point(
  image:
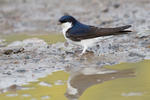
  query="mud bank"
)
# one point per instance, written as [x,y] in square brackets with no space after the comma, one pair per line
[27,60]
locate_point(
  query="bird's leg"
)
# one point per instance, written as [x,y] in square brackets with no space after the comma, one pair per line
[84,50]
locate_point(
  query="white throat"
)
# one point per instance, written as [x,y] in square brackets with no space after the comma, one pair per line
[66,26]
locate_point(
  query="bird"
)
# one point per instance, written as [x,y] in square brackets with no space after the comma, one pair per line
[84,35]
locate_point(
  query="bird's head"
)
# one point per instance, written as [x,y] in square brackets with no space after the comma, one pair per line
[67,21]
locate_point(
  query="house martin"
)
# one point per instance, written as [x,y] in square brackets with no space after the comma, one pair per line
[86,36]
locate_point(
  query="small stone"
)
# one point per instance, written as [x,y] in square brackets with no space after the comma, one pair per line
[68,52]
[116,5]
[148,46]
[21,71]
[16,62]
[8,52]
[12,95]
[13,87]
[105,10]
[8,73]
[45,84]
[98,46]
[26,95]
[45,97]
[18,51]
[59,82]
[27,57]
[132,54]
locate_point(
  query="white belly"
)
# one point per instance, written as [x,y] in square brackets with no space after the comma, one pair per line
[93,41]
[87,42]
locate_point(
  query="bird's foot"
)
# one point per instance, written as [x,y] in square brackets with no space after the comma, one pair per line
[86,53]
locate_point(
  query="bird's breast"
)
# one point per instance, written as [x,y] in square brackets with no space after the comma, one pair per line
[71,41]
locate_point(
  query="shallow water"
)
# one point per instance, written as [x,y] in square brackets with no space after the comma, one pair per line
[49,38]
[134,88]
[51,87]
[126,81]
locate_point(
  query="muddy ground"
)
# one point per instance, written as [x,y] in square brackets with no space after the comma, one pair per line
[27,60]
[42,15]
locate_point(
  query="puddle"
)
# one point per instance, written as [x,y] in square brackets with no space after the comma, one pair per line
[44,89]
[49,38]
[126,81]
[80,82]
[133,88]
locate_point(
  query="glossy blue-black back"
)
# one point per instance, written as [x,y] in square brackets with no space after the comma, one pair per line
[79,29]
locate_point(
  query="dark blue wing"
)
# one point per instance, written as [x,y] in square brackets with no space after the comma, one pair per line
[80,31]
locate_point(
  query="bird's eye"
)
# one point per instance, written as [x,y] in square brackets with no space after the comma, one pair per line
[64,21]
